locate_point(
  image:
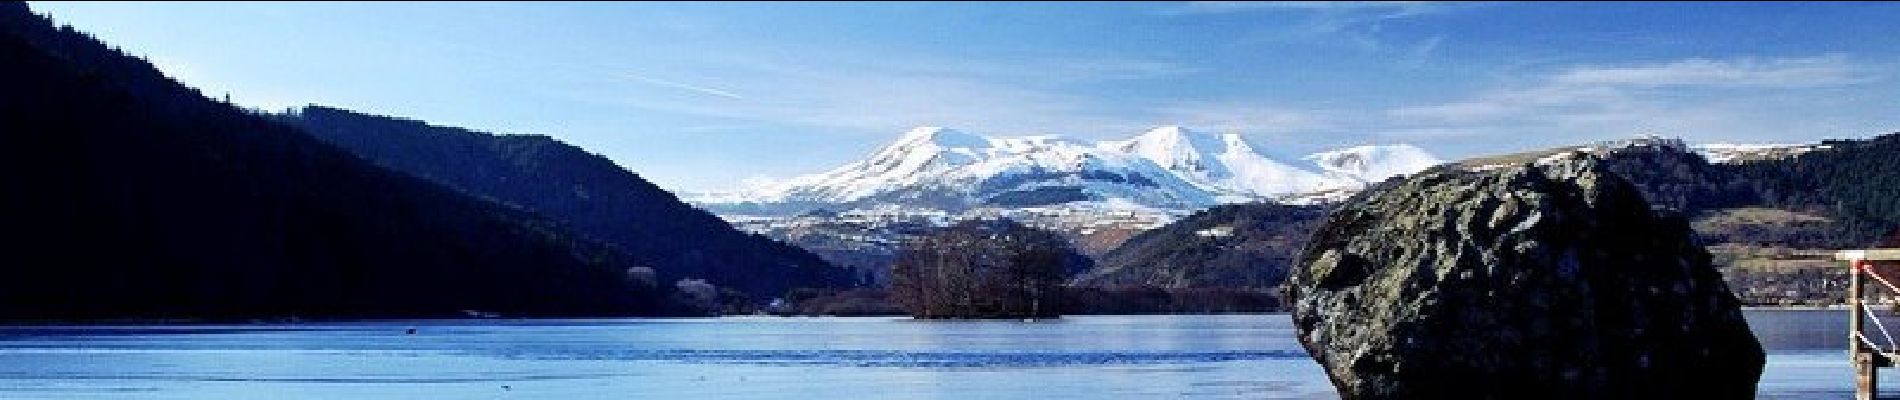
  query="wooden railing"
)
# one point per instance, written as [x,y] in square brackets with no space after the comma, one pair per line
[1866,355]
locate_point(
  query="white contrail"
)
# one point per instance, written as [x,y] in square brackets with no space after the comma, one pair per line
[677,85]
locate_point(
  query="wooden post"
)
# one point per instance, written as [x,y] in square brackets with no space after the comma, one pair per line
[1866,376]
[1855,314]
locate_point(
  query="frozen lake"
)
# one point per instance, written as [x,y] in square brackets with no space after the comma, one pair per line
[1083,357]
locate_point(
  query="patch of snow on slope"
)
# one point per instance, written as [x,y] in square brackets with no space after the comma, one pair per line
[1728,153]
[1370,164]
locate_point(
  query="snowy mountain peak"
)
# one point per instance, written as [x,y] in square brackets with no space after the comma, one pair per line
[1168,167]
[1368,164]
[1173,147]
[1224,164]
[1235,143]
[941,137]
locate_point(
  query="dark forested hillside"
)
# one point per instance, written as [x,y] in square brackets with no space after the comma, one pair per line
[582,190]
[1236,245]
[130,195]
[1855,181]
[1852,184]
[1676,179]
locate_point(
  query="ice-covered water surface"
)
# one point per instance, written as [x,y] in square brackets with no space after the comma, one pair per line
[1235,356]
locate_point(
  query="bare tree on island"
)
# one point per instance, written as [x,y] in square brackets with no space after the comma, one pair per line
[984,269]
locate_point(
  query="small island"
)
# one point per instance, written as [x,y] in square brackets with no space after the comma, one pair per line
[984,269]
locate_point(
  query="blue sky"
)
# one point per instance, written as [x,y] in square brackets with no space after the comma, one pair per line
[699,96]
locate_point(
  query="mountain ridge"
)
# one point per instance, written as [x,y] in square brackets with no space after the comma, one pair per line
[1168,167]
[585,191]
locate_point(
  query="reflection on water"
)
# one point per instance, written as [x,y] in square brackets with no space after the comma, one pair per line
[1788,330]
[909,359]
[1243,356]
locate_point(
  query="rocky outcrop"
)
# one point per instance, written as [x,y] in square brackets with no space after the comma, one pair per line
[1549,279]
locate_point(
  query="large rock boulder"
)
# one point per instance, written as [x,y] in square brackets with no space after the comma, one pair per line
[1547,279]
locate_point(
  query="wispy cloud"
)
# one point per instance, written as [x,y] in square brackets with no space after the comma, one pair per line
[871,101]
[1104,69]
[683,86]
[1684,97]
[1033,69]
[1418,134]
[1513,102]
[1422,52]
[1600,89]
[1246,118]
[882,93]
[1783,72]
[592,69]
[1387,9]
[1359,24]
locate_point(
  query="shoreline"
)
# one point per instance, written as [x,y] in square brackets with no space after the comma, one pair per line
[1835,307]
[295,321]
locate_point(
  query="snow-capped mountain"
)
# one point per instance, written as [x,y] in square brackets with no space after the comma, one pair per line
[1371,164]
[1167,168]
[1221,164]
[951,170]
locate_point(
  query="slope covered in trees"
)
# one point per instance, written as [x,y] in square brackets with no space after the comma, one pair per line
[1855,181]
[584,191]
[1236,245]
[131,195]
[1673,178]
[1844,194]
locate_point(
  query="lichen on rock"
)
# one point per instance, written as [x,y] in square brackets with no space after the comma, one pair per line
[1550,279]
